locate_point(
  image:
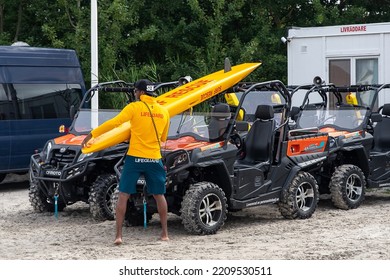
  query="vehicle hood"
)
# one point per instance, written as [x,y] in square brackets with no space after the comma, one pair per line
[70,139]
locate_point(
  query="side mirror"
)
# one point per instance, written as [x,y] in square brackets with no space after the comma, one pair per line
[376,117]
[72,112]
[294,113]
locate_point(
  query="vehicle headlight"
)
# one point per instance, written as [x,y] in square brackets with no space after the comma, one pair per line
[46,151]
[332,142]
[48,148]
[179,160]
[84,156]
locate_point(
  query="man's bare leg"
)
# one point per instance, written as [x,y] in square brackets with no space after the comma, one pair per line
[120,216]
[162,208]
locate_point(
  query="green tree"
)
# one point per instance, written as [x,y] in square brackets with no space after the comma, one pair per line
[166,39]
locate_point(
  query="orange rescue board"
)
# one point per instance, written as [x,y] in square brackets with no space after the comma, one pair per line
[179,100]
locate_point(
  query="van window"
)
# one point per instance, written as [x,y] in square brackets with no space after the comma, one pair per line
[38,101]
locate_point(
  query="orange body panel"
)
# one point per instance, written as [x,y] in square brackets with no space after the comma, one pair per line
[189,143]
[307,145]
[70,139]
[335,133]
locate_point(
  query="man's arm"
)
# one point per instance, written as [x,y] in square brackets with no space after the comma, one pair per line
[122,117]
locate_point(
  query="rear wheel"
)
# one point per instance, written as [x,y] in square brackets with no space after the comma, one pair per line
[347,187]
[204,208]
[100,203]
[300,199]
[39,201]
[134,216]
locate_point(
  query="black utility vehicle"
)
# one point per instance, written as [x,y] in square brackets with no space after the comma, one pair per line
[359,143]
[215,164]
[61,171]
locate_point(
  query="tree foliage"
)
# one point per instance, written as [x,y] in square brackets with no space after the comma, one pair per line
[166,39]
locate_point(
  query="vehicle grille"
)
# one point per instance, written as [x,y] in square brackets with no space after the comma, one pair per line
[63,158]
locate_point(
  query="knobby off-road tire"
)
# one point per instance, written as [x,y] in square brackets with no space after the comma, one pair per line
[347,187]
[133,217]
[300,199]
[2,177]
[39,201]
[100,197]
[204,208]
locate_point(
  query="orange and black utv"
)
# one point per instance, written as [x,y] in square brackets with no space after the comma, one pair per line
[233,158]
[359,139]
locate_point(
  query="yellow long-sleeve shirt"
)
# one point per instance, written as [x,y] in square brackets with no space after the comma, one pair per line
[143,139]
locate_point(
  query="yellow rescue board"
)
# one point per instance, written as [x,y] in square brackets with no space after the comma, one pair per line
[179,100]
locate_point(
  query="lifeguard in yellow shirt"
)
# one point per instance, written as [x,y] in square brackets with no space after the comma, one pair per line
[149,127]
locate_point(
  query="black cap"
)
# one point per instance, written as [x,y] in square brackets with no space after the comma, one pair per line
[145,85]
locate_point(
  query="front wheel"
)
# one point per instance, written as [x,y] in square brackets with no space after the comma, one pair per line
[300,199]
[347,187]
[39,201]
[100,203]
[204,208]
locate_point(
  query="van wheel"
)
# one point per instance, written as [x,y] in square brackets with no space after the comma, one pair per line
[2,177]
[39,200]
[204,208]
[100,203]
[300,199]
[347,187]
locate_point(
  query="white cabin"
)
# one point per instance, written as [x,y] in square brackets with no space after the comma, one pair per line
[342,55]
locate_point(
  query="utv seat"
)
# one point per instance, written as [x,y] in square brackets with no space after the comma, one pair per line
[381,131]
[258,147]
[220,116]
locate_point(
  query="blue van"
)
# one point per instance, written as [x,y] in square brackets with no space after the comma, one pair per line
[38,88]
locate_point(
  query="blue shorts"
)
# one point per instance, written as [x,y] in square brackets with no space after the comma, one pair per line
[152,169]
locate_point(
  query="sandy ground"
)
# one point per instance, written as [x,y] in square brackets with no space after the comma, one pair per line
[255,233]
